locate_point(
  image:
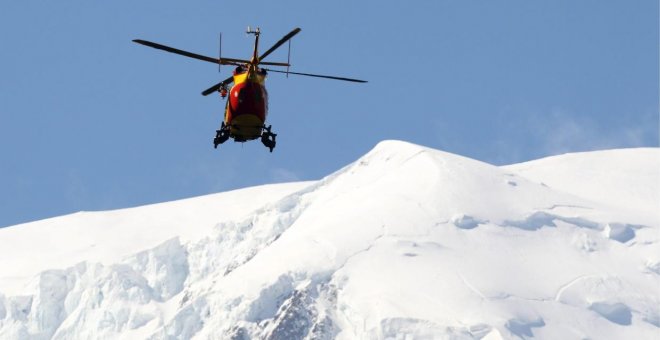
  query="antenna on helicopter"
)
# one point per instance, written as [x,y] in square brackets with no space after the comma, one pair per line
[223,87]
[288,59]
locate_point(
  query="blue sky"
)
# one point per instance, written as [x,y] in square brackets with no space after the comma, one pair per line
[92,121]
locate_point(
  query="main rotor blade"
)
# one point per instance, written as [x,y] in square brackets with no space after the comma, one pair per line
[318,76]
[279,43]
[271,63]
[223,61]
[217,86]
[241,61]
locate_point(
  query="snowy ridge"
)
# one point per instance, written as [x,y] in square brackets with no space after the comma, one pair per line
[585,174]
[406,241]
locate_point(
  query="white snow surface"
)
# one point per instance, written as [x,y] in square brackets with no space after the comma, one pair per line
[407,242]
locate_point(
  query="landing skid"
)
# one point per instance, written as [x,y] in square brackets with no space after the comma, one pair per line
[267,137]
[221,135]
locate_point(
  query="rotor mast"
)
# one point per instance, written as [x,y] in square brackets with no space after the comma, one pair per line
[255,53]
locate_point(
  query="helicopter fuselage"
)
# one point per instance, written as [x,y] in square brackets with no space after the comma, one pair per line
[247,105]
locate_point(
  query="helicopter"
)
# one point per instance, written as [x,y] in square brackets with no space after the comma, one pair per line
[247,106]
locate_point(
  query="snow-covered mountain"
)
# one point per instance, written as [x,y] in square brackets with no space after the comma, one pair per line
[405,243]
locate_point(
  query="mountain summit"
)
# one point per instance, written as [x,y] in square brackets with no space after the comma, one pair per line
[406,242]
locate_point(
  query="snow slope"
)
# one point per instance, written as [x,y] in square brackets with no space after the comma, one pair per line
[405,243]
[109,236]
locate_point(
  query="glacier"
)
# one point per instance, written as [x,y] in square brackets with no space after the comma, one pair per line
[407,242]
